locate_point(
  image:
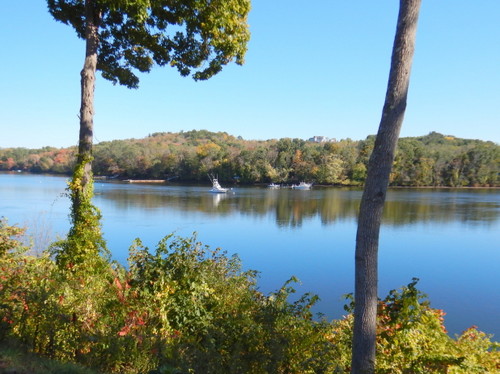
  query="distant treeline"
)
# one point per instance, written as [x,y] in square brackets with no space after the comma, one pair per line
[431,160]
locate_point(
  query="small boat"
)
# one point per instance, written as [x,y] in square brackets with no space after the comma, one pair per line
[273,186]
[302,186]
[216,187]
[144,180]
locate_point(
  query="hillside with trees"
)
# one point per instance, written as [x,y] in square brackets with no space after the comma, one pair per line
[430,160]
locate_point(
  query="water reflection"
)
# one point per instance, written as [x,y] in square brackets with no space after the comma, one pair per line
[291,208]
[448,238]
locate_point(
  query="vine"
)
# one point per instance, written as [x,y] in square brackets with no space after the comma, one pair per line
[85,244]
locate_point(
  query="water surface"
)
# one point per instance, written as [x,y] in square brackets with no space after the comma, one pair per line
[449,238]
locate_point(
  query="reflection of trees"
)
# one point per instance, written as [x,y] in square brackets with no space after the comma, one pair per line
[407,207]
[330,205]
[290,208]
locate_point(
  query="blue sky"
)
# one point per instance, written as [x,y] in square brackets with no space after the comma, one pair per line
[313,68]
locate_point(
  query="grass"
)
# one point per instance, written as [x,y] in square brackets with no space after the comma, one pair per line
[14,360]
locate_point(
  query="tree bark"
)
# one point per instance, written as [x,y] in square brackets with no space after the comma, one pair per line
[88,74]
[84,244]
[377,181]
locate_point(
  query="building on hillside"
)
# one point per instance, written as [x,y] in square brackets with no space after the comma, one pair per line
[321,139]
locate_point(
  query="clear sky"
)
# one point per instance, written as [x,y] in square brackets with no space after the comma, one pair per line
[316,67]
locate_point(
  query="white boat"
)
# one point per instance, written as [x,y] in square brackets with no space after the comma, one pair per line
[216,187]
[302,186]
[273,186]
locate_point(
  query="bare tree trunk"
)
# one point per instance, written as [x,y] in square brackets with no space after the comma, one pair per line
[372,203]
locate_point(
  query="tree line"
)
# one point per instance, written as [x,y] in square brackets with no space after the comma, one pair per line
[430,160]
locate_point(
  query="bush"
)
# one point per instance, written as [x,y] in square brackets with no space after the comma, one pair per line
[210,318]
[412,339]
[185,308]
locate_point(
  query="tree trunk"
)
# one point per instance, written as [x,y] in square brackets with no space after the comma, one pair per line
[372,202]
[83,169]
[84,243]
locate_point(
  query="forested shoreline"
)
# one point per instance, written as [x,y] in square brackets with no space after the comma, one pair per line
[433,160]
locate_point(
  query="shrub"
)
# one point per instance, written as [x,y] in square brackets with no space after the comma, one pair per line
[185,308]
[412,339]
[210,318]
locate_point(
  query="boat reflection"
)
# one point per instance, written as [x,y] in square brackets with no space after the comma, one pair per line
[290,208]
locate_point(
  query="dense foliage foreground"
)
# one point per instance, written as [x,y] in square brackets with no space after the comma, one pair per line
[184,308]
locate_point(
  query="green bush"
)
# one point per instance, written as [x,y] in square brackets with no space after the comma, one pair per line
[412,339]
[210,318]
[9,238]
[185,308]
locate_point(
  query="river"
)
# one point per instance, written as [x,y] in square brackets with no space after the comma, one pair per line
[449,238]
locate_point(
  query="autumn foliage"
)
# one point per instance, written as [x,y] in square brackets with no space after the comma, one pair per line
[184,307]
[431,160]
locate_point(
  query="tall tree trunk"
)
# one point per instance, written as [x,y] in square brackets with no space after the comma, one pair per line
[85,243]
[377,181]
[88,74]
